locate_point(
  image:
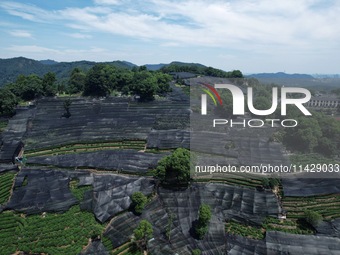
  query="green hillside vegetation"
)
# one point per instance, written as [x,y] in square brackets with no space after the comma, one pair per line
[313,140]
[11,68]
[316,134]
[201,70]
[100,81]
[51,233]
[293,226]
[327,206]
[6,183]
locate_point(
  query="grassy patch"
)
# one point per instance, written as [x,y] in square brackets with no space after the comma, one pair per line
[3,125]
[107,243]
[78,192]
[328,206]
[6,183]
[244,230]
[56,234]
[50,233]
[313,158]
[298,226]
[87,147]
[250,183]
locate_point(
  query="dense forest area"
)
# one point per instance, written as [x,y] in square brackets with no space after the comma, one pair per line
[101,80]
[320,134]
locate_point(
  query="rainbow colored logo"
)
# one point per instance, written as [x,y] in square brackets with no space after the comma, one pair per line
[210,91]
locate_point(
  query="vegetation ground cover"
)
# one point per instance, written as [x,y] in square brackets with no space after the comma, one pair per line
[52,233]
[269,224]
[6,183]
[328,206]
[87,147]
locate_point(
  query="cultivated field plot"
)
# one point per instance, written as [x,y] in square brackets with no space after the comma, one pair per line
[73,196]
[282,243]
[114,160]
[226,201]
[37,191]
[302,187]
[330,228]
[112,119]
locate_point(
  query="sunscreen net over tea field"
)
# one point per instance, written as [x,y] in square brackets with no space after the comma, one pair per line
[73,195]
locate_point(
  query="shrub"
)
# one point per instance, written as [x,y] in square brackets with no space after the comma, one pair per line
[138,202]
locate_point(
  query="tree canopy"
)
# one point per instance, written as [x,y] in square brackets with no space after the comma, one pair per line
[196,252]
[102,79]
[200,69]
[143,233]
[139,201]
[319,133]
[175,168]
[76,82]
[312,217]
[204,216]
[49,84]
[8,101]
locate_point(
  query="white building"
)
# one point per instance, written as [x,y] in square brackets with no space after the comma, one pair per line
[324,102]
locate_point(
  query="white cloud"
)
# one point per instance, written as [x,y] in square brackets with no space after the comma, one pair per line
[170,44]
[107,2]
[20,33]
[286,29]
[60,54]
[80,36]
[239,24]
[27,11]
[30,49]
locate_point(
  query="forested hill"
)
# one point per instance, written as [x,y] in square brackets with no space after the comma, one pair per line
[11,68]
[281,75]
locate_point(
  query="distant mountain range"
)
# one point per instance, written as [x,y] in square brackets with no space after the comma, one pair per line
[281,75]
[317,82]
[11,68]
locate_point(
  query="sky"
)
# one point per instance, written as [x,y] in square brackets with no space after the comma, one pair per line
[253,36]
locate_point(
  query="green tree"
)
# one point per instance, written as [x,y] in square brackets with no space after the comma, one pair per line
[169,226]
[124,80]
[265,183]
[62,87]
[67,104]
[49,84]
[8,101]
[327,147]
[313,218]
[226,110]
[77,81]
[328,143]
[97,81]
[144,85]
[196,252]
[33,87]
[139,201]
[142,68]
[204,216]
[305,136]
[142,234]
[163,85]
[175,168]
[236,74]
[262,103]
[273,182]
[27,87]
